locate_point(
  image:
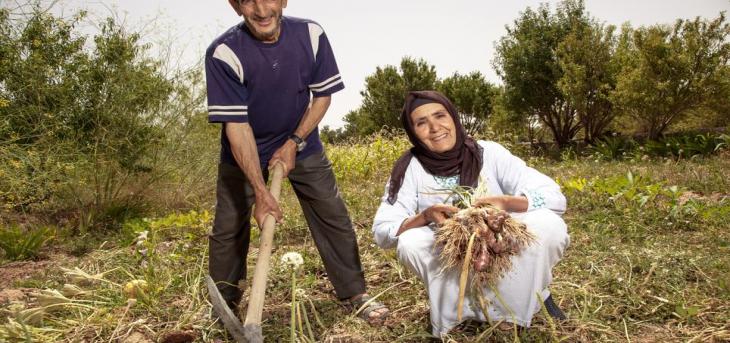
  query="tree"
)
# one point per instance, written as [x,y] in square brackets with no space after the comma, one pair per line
[330,135]
[384,93]
[504,121]
[473,97]
[589,75]
[529,66]
[668,72]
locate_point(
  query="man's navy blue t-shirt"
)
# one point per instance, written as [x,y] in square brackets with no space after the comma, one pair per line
[269,86]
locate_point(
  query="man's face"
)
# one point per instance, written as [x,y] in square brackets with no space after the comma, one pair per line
[263,17]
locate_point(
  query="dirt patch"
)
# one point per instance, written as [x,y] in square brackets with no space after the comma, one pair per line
[653,333]
[714,197]
[23,270]
[178,337]
[136,337]
[180,303]
[687,196]
[719,197]
[344,338]
[12,295]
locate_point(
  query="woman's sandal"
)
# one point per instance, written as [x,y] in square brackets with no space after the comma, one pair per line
[363,306]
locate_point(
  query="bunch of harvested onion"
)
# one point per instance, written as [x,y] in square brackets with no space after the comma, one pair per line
[483,238]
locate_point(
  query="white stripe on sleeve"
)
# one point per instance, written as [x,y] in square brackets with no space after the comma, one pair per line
[314,32]
[322,89]
[244,113]
[225,54]
[325,82]
[216,107]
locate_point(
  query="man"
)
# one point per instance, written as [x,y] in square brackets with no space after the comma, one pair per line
[259,75]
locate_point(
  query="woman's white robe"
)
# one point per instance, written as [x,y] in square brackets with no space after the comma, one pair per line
[531,273]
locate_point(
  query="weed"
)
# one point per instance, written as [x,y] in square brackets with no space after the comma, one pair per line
[19,244]
[613,148]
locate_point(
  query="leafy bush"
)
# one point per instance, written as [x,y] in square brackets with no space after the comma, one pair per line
[94,124]
[679,146]
[627,190]
[360,159]
[687,146]
[613,148]
[19,244]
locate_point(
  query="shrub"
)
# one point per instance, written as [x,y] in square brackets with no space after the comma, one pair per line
[687,146]
[95,125]
[613,148]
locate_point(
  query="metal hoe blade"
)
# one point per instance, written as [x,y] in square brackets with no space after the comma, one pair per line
[229,319]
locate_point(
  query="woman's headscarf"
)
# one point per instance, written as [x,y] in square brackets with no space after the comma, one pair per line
[464,159]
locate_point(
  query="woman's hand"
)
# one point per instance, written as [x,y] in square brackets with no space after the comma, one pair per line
[438,213]
[435,214]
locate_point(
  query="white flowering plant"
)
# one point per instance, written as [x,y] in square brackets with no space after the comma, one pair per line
[300,326]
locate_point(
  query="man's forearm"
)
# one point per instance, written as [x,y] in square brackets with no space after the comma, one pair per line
[313,116]
[243,147]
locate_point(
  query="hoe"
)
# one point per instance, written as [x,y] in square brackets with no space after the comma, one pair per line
[250,330]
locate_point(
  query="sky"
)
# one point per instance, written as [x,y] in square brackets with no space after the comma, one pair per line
[454,36]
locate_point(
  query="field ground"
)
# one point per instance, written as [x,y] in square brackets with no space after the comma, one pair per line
[649,260]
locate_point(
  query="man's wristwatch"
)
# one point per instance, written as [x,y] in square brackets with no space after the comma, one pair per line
[301,144]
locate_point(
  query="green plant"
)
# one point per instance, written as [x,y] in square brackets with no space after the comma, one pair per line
[659,148]
[19,244]
[705,144]
[384,92]
[613,148]
[686,313]
[569,153]
[574,185]
[723,142]
[687,146]
[300,328]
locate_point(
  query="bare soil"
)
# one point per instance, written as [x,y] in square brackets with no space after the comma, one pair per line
[14,272]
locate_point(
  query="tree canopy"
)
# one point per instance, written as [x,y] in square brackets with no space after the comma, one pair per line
[384,93]
[668,71]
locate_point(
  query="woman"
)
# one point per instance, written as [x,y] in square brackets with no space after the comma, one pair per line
[443,157]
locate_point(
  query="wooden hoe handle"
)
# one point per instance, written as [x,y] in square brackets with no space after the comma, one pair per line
[252,324]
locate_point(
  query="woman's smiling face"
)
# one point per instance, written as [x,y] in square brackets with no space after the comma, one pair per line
[434,127]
